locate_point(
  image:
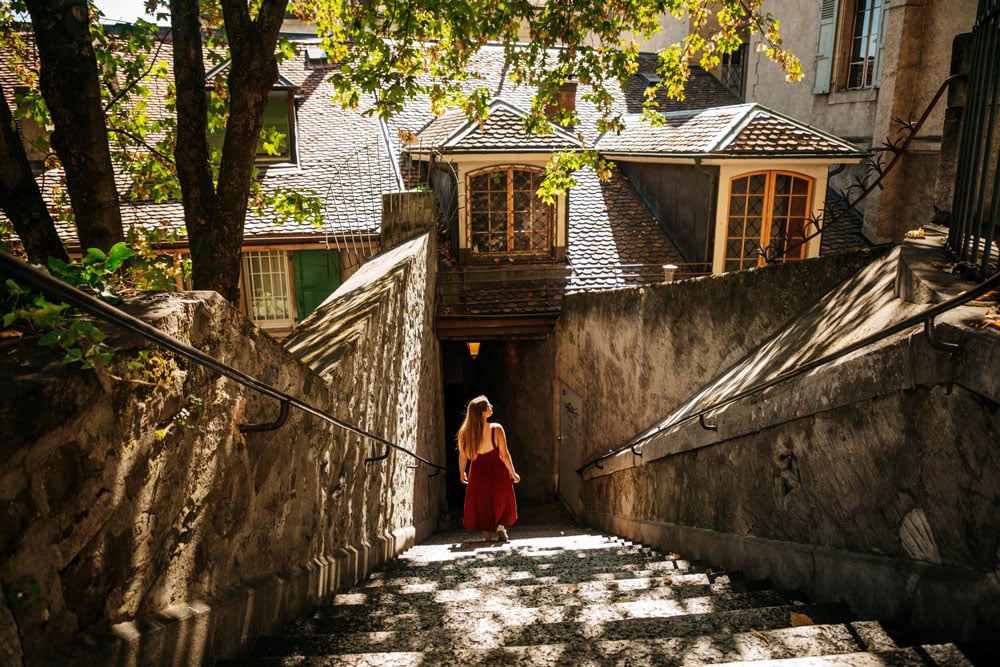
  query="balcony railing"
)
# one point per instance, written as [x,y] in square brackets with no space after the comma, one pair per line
[976,206]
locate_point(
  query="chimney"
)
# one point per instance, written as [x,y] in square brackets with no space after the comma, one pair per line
[565,99]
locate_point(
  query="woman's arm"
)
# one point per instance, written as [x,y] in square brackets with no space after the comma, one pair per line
[504,453]
[463,461]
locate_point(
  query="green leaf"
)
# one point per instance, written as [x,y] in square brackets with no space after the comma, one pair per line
[93,256]
[73,354]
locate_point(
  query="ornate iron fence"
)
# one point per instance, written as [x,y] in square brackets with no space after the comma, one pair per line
[976,206]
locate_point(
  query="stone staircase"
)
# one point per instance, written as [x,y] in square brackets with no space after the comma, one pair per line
[562,595]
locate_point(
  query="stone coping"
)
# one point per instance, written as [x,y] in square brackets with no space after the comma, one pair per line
[919,280]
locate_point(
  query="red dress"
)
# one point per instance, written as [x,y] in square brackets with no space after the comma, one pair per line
[489,495]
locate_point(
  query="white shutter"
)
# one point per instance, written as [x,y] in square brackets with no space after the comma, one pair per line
[824,52]
[883,21]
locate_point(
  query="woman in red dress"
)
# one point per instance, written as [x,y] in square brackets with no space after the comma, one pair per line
[489,494]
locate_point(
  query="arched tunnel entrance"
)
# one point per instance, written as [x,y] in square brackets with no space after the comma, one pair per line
[518,378]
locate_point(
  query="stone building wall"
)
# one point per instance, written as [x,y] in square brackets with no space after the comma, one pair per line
[633,355]
[873,480]
[138,525]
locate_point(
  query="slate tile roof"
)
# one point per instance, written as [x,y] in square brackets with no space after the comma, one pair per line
[842,225]
[502,131]
[614,239]
[739,131]
[342,156]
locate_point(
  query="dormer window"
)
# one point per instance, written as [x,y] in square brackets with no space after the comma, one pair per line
[277,144]
[506,216]
[316,57]
[279,119]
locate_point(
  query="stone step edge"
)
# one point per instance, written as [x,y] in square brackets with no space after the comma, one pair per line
[419,657]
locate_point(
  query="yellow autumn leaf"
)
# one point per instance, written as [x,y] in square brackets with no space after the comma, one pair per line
[612,584]
[917,233]
[668,580]
[574,589]
[798,620]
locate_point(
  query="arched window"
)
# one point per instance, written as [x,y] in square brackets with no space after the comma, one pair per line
[768,216]
[506,216]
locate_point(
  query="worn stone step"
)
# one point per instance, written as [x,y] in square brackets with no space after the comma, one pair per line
[508,582]
[501,612]
[943,655]
[524,572]
[524,627]
[808,641]
[519,560]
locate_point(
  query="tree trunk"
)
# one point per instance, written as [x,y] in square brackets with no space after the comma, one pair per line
[215,218]
[70,84]
[20,198]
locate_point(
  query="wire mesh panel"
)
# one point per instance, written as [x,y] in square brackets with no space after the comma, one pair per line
[266,288]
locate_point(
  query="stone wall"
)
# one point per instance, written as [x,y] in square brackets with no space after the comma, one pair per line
[873,480]
[138,525]
[633,355]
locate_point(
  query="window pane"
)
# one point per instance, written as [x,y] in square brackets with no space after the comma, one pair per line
[266,287]
[503,201]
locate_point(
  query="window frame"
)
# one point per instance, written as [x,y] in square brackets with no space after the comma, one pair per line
[767,219]
[276,95]
[835,50]
[278,265]
[548,252]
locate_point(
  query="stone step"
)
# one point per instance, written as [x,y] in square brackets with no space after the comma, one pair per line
[943,655]
[524,627]
[511,560]
[517,584]
[500,612]
[759,645]
[679,587]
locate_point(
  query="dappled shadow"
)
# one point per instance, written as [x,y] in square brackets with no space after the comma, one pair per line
[560,594]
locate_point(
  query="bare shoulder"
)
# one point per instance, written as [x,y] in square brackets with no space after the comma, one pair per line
[498,432]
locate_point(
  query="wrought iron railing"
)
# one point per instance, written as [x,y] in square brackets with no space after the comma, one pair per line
[57,290]
[976,204]
[925,318]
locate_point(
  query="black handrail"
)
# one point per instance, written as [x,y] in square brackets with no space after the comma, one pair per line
[58,290]
[925,318]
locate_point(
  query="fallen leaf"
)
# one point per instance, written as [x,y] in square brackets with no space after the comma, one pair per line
[798,620]
[668,580]
[673,556]
[612,584]
[766,640]
[917,233]
[10,333]
[798,603]
[708,572]
[574,589]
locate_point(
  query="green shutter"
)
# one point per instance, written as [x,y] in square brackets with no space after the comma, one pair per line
[317,275]
[824,52]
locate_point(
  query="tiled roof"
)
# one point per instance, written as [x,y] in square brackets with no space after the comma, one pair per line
[614,239]
[842,225]
[502,131]
[744,130]
[342,156]
[681,133]
[701,91]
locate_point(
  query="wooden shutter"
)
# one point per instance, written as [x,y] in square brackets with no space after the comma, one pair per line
[883,21]
[824,51]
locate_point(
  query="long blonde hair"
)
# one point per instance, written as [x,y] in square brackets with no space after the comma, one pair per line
[471,431]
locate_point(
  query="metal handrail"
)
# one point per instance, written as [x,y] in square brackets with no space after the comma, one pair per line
[58,290]
[925,318]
